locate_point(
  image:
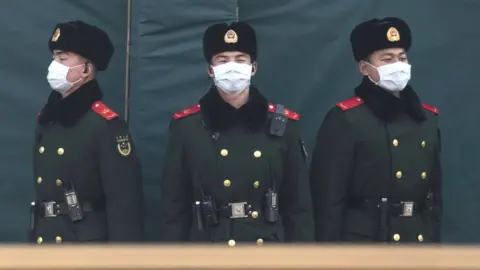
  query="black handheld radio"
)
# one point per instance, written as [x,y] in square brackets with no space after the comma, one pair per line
[74,208]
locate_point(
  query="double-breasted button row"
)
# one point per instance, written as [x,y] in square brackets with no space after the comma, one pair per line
[399,175]
[396,143]
[58,182]
[58,240]
[227,183]
[60,151]
[232,242]
[256,153]
[396,237]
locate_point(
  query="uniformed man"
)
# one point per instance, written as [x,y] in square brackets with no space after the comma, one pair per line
[236,160]
[87,176]
[375,172]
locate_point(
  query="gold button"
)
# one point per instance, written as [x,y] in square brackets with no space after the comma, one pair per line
[399,174]
[60,151]
[256,184]
[231,243]
[395,142]
[39,240]
[420,238]
[58,182]
[254,214]
[423,144]
[58,239]
[260,241]
[257,154]
[396,237]
[224,152]
[41,149]
[39,180]
[227,183]
[424,175]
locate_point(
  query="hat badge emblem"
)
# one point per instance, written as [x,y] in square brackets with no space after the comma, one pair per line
[56,35]
[231,37]
[393,35]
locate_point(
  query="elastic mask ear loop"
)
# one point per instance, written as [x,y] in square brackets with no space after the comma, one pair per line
[73,83]
[368,76]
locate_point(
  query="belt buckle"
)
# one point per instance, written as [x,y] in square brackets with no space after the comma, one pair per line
[237,210]
[407,210]
[50,210]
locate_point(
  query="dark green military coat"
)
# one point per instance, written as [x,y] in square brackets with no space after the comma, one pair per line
[229,154]
[371,147]
[79,140]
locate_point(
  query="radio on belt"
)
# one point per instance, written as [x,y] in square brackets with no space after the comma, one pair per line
[271,206]
[74,208]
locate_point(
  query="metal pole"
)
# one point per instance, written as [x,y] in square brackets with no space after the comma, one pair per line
[236,13]
[127,60]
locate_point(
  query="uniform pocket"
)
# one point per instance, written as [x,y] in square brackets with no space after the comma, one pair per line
[356,237]
[359,225]
[93,228]
[274,234]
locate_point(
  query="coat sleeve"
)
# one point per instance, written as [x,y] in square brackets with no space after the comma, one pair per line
[176,190]
[295,202]
[437,207]
[121,176]
[330,171]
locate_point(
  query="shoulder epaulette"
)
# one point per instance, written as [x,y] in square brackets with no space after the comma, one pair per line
[103,110]
[186,112]
[288,113]
[350,103]
[431,108]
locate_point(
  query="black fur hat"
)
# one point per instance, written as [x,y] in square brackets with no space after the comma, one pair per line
[86,40]
[224,37]
[378,34]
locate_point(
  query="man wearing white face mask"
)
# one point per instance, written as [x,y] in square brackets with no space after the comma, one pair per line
[239,161]
[376,173]
[87,176]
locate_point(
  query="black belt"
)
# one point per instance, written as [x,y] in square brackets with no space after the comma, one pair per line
[53,209]
[234,210]
[398,209]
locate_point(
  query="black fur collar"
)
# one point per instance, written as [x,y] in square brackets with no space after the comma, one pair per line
[386,106]
[69,110]
[219,115]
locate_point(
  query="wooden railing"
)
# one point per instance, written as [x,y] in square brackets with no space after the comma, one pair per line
[240,257]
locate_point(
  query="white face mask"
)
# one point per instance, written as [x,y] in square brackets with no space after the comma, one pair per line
[57,77]
[393,77]
[232,77]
